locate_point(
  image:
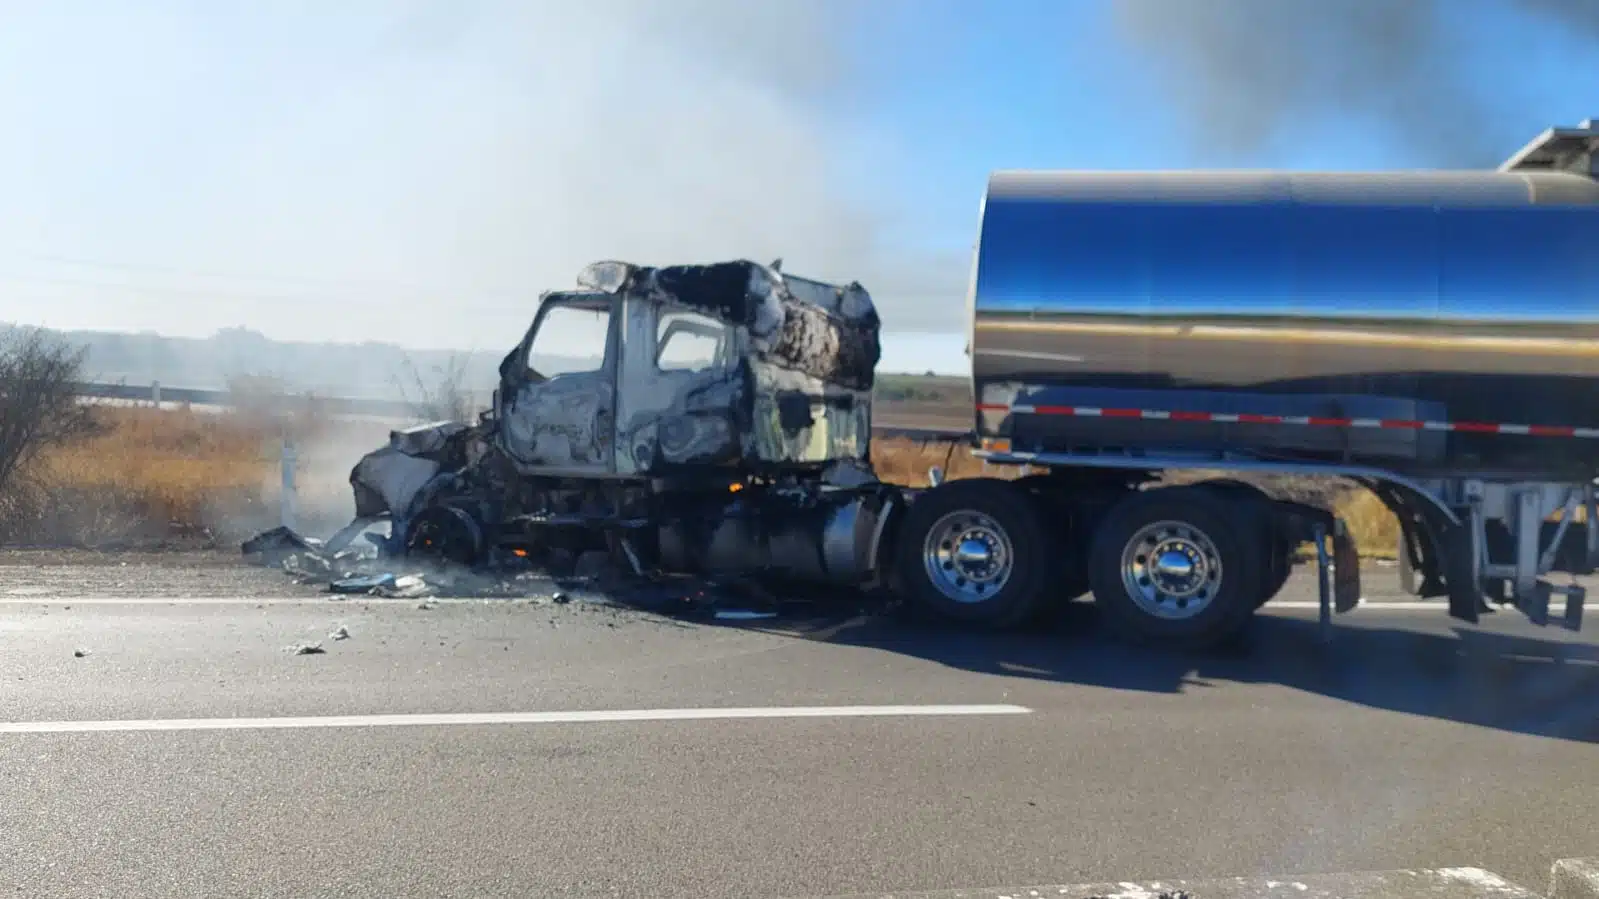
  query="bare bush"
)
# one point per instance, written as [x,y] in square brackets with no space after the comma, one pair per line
[39,405]
[442,394]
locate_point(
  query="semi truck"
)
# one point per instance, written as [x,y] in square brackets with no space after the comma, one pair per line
[1430,336]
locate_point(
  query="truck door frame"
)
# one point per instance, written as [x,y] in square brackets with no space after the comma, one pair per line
[563,395]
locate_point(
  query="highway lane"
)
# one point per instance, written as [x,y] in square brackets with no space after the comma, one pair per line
[1406,743]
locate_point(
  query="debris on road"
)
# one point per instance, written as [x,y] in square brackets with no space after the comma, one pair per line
[340,633]
[278,542]
[742,615]
[306,649]
[576,579]
[80,653]
[368,584]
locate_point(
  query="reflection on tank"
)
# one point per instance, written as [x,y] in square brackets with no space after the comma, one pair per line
[1458,296]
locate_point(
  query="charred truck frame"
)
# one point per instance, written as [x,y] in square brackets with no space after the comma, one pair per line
[725,428]
[1432,336]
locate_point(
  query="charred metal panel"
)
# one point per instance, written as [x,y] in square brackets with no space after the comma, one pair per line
[560,423]
[826,331]
[681,412]
[792,386]
[389,478]
[565,422]
[801,419]
[823,346]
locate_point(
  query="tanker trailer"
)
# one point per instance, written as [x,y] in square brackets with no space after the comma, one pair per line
[1432,336]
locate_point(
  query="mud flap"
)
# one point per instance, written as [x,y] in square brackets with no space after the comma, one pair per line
[1346,571]
[1460,575]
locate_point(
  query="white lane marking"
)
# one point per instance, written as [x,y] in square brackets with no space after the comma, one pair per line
[1556,606]
[328,599]
[1375,605]
[446,720]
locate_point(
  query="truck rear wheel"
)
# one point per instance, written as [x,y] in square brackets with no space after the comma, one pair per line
[975,551]
[1179,566]
[1278,549]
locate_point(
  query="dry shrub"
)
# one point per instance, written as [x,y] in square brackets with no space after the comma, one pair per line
[152,476]
[900,460]
[1374,528]
[160,477]
[1376,531]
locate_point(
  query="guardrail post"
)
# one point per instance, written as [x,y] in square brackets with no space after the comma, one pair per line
[155,393]
[288,500]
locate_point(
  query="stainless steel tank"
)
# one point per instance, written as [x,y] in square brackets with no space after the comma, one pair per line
[1416,320]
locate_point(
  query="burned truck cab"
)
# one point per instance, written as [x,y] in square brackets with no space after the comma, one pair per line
[647,372]
[703,418]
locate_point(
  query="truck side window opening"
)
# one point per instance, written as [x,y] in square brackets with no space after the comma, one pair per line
[688,341]
[571,339]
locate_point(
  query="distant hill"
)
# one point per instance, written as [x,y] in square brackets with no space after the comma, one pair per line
[372,370]
[368,370]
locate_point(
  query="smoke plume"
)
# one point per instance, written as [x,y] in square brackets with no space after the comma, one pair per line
[416,171]
[1249,71]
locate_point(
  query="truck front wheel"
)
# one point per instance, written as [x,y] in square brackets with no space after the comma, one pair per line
[975,552]
[1178,566]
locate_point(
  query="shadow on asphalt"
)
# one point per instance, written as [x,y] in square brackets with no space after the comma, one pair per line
[1508,682]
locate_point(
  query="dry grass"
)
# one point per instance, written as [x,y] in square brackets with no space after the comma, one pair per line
[157,477]
[151,477]
[1374,528]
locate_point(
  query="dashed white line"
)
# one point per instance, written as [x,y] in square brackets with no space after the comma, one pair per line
[324,600]
[1555,605]
[477,718]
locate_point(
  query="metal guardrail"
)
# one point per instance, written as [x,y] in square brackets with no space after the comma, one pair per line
[204,396]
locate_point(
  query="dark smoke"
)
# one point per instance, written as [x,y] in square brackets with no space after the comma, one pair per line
[1249,71]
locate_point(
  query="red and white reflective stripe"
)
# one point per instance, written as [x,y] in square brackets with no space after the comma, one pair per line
[1397,424]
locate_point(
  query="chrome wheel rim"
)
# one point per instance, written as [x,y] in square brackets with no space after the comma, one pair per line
[968,557]
[1171,570]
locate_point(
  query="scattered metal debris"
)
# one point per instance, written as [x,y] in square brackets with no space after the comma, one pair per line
[406,587]
[369,584]
[307,649]
[80,653]
[741,615]
[278,542]
[340,633]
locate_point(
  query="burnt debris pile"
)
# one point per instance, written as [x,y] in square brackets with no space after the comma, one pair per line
[350,568]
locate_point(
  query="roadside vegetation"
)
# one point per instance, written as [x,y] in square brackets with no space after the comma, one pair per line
[139,477]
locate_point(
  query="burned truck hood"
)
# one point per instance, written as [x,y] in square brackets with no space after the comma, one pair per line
[388,479]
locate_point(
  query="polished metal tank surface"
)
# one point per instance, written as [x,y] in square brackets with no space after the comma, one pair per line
[1430,297]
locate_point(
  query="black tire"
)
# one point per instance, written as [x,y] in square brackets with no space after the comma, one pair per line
[1279,568]
[1279,551]
[1234,534]
[1067,514]
[1016,515]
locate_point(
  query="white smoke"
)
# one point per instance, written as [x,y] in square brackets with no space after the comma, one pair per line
[417,170]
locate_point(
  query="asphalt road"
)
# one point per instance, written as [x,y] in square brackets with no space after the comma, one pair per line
[1406,743]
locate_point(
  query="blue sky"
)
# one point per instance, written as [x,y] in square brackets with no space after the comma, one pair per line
[415,171]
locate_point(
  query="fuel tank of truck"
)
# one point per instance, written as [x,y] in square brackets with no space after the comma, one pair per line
[1419,321]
